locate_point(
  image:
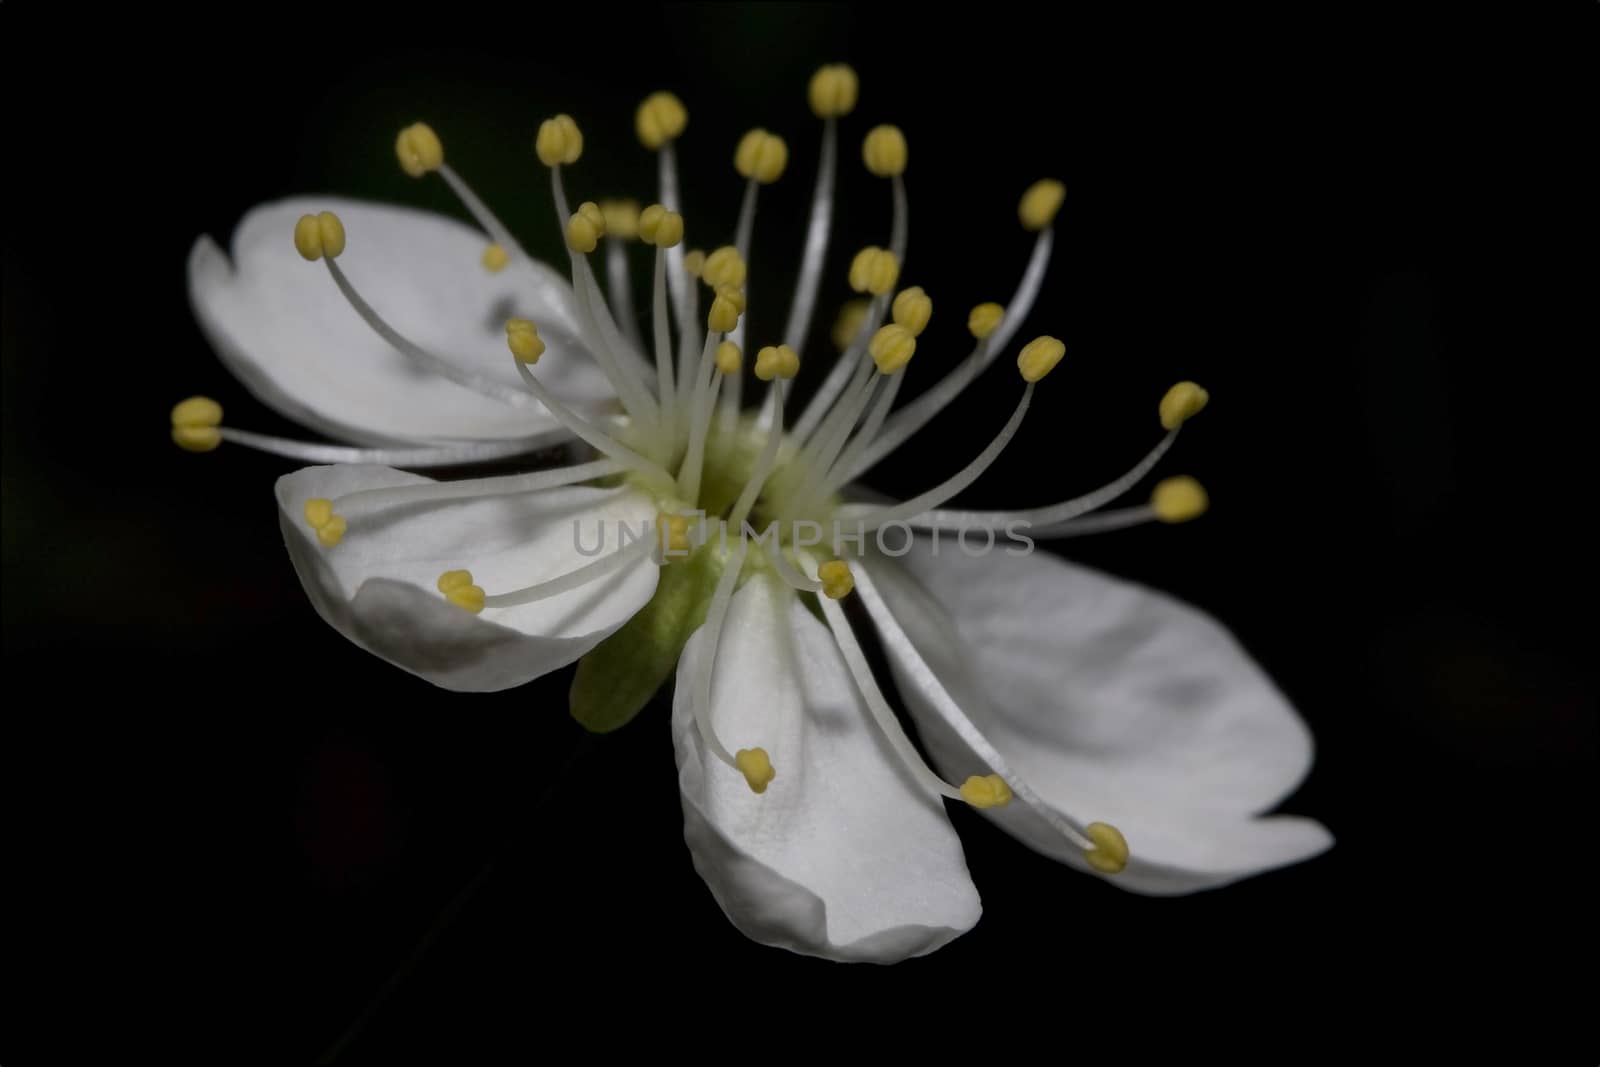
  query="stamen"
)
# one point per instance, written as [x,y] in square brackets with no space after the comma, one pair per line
[602,441]
[705,389]
[1045,519]
[322,236]
[426,456]
[1104,522]
[1039,204]
[559,141]
[915,415]
[884,151]
[688,323]
[832,93]
[195,424]
[1110,852]
[947,709]
[1179,499]
[329,526]
[761,156]
[892,347]
[663,228]
[1028,288]
[725,267]
[1181,402]
[849,370]
[769,449]
[604,340]
[420,153]
[874,270]
[660,119]
[459,588]
[913,309]
[752,763]
[817,454]
[840,373]
[847,324]
[877,706]
[836,579]
[622,226]
[678,283]
[839,472]
[367,501]
[665,375]
[969,474]
[780,361]
[589,572]
[674,534]
[787,570]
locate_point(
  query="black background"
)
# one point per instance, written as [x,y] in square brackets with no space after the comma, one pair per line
[1367,233]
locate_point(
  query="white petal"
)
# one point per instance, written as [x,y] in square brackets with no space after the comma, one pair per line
[1108,702]
[282,327]
[378,587]
[844,856]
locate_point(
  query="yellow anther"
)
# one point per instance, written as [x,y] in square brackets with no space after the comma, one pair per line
[522,337]
[892,347]
[836,579]
[756,768]
[833,91]
[661,118]
[319,235]
[1039,357]
[777,361]
[418,149]
[762,156]
[913,309]
[320,517]
[1039,204]
[848,324]
[583,236]
[884,151]
[694,263]
[733,295]
[1110,852]
[1181,403]
[457,588]
[597,218]
[495,259]
[621,218]
[331,532]
[724,267]
[984,319]
[874,270]
[195,424]
[559,141]
[725,310]
[1179,499]
[729,358]
[658,226]
[674,533]
[986,791]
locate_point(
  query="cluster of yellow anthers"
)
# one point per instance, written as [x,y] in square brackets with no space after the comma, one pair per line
[675,440]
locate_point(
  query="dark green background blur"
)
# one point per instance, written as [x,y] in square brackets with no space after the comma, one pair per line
[227,828]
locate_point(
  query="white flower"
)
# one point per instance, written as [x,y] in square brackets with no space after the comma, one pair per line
[1100,723]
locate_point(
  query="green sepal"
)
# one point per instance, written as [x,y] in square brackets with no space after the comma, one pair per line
[620,674]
